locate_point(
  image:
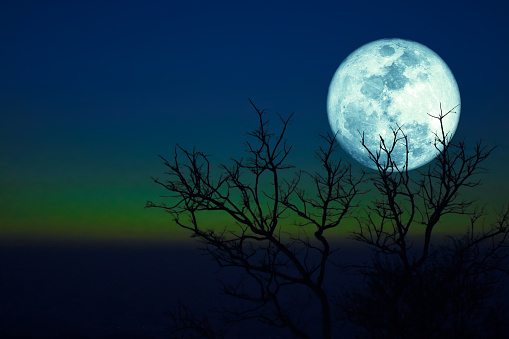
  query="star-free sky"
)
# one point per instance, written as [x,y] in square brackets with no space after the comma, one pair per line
[92,91]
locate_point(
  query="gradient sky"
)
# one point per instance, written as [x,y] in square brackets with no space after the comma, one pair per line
[92,91]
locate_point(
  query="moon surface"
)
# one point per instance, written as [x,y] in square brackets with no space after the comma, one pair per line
[387,84]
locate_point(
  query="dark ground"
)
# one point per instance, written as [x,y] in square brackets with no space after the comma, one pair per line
[111,291]
[84,291]
[96,291]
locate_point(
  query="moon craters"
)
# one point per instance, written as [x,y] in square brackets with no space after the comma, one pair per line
[385,85]
[386,51]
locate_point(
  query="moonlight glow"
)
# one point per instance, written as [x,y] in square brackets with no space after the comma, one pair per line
[389,83]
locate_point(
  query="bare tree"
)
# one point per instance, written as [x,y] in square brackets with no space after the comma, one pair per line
[280,236]
[414,289]
[278,233]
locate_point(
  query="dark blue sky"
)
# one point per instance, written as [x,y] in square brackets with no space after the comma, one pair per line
[91,92]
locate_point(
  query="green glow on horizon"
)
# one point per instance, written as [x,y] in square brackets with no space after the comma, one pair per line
[89,214]
[61,209]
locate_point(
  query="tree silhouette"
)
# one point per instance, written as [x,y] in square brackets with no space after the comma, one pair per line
[280,234]
[452,295]
[257,197]
[415,290]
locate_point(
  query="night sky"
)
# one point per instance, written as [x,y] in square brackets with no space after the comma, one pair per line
[92,91]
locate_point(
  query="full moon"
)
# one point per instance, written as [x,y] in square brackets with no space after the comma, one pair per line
[389,84]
